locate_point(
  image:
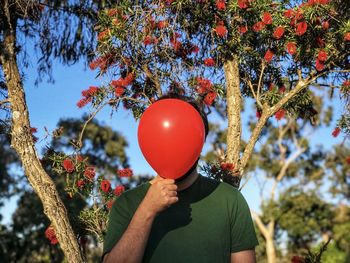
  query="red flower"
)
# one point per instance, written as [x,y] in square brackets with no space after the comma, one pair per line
[278,33]
[148,40]
[83,102]
[126,172]
[194,49]
[50,235]
[347,36]
[322,55]
[258,26]
[112,12]
[105,186]
[346,83]
[267,18]
[109,204]
[102,35]
[177,45]
[209,98]
[227,166]
[80,183]
[209,62]
[336,132]
[323,2]
[119,190]
[220,29]
[268,55]
[203,85]
[301,28]
[258,114]
[280,114]
[242,29]
[297,259]
[271,86]
[325,25]
[68,165]
[348,159]
[119,91]
[79,158]
[291,48]
[161,24]
[282,89]
[243,4]
[319,42]
[89,173]
[319,65]
[220,4]
[90,92]
[289,13]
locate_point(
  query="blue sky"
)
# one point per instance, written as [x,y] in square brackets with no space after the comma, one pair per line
[48,103]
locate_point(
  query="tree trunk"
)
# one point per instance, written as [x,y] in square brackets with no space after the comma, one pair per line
[270,250]
[234,102]
[22,142]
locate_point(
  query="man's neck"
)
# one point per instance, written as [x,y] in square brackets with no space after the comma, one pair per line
[182,185]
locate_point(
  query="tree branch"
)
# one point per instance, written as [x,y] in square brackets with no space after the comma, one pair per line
[263,229]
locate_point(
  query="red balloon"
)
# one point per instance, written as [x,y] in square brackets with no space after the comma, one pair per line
[171,135]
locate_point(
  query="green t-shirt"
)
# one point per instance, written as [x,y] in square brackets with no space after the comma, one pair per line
[210,221]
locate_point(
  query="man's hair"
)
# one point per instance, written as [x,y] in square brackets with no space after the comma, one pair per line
[195,104]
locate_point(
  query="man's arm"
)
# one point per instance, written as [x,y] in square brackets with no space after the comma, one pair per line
[245,256]
[131,246]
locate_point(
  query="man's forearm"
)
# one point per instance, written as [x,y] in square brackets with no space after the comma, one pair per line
[131,247]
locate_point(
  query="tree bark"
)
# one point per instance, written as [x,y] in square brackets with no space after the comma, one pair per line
[234,103]
[270,250]
[22,142]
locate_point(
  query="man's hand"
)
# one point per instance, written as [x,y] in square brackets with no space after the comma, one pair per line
[160,196]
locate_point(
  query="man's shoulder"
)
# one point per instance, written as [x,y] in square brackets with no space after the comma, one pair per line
[136,192]
[221,187]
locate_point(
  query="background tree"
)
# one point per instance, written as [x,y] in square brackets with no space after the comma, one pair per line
[63,30]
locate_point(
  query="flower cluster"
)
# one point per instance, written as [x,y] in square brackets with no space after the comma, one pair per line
[87,96]
[50,235]
[126,172]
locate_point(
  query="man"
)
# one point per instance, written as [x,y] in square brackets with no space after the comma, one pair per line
[192,219]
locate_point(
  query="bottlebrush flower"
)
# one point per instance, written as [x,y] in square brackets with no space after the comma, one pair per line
[278,33]
[347,36]
[209,98]
[322,55]
[297,259]
[68,165]
[319,65]
[194,49]
[279,114]
[291,48]
[50,235]
[258,26]
[177,45]
[346,83]
[102,35]
[301,28]
[89,173]
[242,29]
[282,89]
[109,204]
[268,55]
[220,29]
[80,183]
[336,132]
[148,40]
[258,114]
[105,186]
[161,24]
[243,3]
[112,12]
[119,190]
[347,160]
[90,92]
[83,102]
[267,18]
[203,85]
[227,166]
[126,172]
[119,91]
[289,13]
[220,4]
[325,25]
[209,62]
[319,42]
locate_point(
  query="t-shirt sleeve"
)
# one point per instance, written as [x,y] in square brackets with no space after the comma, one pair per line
[117,224]
[243,235]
